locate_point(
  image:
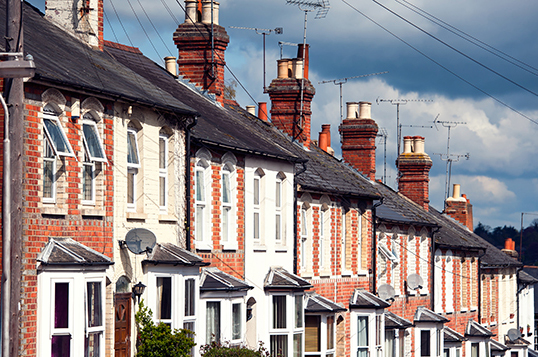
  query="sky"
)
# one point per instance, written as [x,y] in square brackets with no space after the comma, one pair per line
[486,94]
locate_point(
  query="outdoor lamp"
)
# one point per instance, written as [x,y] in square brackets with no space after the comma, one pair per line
[138,290]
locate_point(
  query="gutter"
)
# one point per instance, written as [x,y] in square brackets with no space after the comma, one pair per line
[295,248]
[188,182]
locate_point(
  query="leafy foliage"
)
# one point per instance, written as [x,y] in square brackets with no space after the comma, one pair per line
[159,340]
[217,349]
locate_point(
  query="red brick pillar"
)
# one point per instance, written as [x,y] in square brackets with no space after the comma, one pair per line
[358,132]
[197,62]
[285,94]
[414,166]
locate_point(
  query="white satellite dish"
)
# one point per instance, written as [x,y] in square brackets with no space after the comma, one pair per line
[140,240]
[386,292]
[513,334]
[414,282]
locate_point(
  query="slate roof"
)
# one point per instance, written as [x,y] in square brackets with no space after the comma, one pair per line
[425,315]
[63,60]
[474,329]
[393,321]
[225,127]
[214,279]
[532,353]
[452,230]
[497,346]
[525,278]
[364,299]
[232,127]
[452,336]
[280,278]
[66,251]
[318,303]
[168,253]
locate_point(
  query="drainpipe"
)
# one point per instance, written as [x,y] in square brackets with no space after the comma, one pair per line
[517,294]
[480,287]
[432,270]
[295,217]
[188,182]
[374,243]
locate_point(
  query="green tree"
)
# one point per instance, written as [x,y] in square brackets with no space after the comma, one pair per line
[158,340]
[217,349]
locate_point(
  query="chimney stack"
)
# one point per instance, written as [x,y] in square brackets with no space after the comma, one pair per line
[285,94]
[459,208]
[198,61]
[358,133]
[414,166]
[82,18]
[510,248]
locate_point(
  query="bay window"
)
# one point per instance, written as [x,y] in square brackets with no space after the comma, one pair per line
[287,326]
[213,321]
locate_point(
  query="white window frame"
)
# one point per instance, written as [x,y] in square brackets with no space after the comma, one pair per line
[228,209]
[52,117]
[53,160]
[321,238]
[436,339]
[375,330]
[89,161]
[256,204]
[133,167]
[323,335]
[304,236]
[278,210]
[202,227]
[78,327]
[291,330]
[163,171]
[173,288]
[219,338]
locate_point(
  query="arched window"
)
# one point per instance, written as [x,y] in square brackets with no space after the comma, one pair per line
[94,154]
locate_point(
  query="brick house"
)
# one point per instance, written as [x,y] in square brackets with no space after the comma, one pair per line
[85,184]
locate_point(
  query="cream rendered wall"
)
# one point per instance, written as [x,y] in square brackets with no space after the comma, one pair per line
[507,301]
[260,257]
[167,225]
[526,313]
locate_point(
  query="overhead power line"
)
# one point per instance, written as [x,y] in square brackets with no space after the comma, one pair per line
[456,50]
[441,65]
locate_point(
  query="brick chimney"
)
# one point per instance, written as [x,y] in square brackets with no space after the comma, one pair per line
[358,132]
[197,61]
[414,165]
[285,94]
[459,208]
[82,18]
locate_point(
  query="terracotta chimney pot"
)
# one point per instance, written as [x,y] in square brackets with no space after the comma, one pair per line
[282,68]
[171,64]
[352,110]
[262,111]
[251,109]
[326,128]
[323,141]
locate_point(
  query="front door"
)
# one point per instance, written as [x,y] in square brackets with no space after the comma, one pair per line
[122,325]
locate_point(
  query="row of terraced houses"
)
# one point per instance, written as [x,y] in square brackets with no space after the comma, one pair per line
[261,233]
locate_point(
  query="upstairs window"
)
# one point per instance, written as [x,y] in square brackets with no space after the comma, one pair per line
[55,133]
[133,164]
[49,174]
[257,197]
[163,171]
[201,209]
[226,205]
[94,154]
[278,209]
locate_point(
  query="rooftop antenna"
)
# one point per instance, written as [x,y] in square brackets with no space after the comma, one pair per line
[283,43]
[382,133]
[448,157]
[397,103]
[264,32]
[322,6]
[341,81]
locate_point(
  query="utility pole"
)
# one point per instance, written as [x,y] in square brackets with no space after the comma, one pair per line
[12,71]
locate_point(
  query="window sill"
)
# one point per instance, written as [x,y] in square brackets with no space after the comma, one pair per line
[362,272]
[167,218]
[281,249]
[230,246]
[347,273]
[200,245]
[136,216]
[54,211]
[92,212]
[260,248]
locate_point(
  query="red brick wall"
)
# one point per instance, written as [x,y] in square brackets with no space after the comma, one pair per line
[37,227]
[231,262]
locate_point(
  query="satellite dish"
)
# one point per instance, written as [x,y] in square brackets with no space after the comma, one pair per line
[414,282]
[140,240]
[386,292]
[513,334]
